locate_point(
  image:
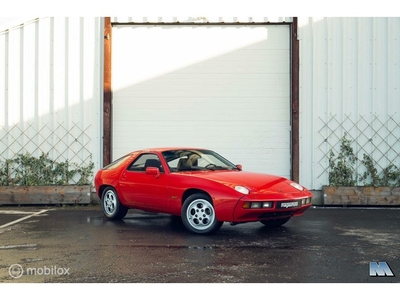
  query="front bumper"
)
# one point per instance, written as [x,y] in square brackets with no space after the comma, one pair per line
[282,208]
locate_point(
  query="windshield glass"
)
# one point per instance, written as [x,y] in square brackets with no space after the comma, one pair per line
[117,162]
[196,160]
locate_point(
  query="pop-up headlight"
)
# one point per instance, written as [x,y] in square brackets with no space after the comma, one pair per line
[297,186]
[242,189]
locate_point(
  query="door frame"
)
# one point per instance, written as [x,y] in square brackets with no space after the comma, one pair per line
[295,103]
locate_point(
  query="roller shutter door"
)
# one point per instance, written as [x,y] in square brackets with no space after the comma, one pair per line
[225,87]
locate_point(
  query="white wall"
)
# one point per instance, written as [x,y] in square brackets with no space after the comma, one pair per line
[51,89]
[349,83]
[349,74]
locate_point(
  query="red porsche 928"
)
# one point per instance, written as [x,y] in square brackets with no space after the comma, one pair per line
[199,185]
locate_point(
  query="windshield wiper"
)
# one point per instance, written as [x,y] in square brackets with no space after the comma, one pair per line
[214,167]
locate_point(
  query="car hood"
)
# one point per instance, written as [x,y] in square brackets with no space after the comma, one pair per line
[255,182]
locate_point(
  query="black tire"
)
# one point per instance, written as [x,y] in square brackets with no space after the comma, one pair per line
[275,222]
[198,214]
[112,207]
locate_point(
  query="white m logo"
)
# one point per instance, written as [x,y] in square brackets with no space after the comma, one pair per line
[380,269]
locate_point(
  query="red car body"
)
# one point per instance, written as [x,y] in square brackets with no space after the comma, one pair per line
[234,195]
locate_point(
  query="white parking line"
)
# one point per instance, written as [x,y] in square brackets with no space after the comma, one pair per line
[14,212]
[17,246]
[23,218]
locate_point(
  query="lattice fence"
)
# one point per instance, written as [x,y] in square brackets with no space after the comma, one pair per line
[374,135]
[62,143]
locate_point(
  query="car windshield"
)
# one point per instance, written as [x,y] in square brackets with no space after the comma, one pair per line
[117,162]
[196,160]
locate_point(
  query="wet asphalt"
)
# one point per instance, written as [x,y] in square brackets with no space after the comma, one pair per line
[78,244]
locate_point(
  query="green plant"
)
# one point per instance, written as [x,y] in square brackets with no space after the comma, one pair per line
[371,172]
[341,168]
[5,172]
[26,170]
[390,175]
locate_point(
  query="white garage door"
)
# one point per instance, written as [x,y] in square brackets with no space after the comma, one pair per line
[226,88]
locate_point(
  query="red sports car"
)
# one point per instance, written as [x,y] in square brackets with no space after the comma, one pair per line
[199,185]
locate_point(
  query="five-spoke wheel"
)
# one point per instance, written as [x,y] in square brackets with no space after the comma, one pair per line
[198,214]
[112,207]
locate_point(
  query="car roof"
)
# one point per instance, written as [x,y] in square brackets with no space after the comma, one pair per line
[162,149]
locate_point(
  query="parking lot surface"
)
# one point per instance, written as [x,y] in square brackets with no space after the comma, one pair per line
[77,244]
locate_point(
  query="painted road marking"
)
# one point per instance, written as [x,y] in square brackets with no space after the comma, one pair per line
[14,212]
[17,246]
[23,218]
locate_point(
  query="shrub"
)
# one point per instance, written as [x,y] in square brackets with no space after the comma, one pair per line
[26,170]
[342,170]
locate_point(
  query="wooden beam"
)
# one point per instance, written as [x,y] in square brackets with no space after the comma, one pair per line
[107,93]
[295,103]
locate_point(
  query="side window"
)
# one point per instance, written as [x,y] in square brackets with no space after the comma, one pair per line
[145,160]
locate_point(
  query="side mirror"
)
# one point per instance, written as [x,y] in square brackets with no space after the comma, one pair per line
[153,171]
[239,167]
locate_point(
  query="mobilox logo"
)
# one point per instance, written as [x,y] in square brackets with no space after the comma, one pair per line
[16,271]
[380,269]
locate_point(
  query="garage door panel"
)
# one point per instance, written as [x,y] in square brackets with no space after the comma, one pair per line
[251,59]
[222,138]
[255,57]
[214,91]
[240,109]
[199,85]
[251,66]
[182,79]
[181,114]
[221,87]
[216,88]
[193,133]
[275,37]
[215,83]
[221,92]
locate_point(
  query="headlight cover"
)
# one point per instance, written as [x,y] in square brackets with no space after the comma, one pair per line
[242,189]
[297,186]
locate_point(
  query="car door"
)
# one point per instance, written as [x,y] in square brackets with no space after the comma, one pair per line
[141,189]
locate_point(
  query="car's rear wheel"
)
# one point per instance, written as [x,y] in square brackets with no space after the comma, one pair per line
[198,214]
[275,222]
[112,207]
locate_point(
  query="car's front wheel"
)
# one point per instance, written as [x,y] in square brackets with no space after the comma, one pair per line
[198,214]
[275,222]
[112,207]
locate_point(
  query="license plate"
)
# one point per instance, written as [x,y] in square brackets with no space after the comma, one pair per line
[289,204]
